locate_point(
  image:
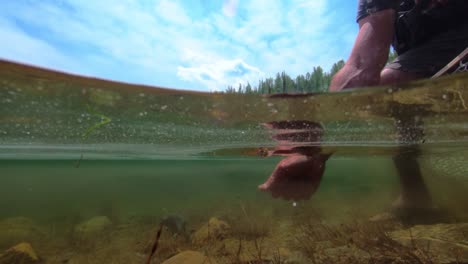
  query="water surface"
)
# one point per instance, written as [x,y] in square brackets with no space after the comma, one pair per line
[72,149]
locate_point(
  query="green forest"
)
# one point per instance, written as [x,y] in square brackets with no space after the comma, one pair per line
[316,81]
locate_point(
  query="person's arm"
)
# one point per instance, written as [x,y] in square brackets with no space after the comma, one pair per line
[369,54]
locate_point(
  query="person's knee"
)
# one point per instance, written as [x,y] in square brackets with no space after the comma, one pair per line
[391,76]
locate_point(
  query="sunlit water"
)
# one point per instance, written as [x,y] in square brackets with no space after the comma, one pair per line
[72,149]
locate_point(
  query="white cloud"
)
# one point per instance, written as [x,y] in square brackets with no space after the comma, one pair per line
[172,12]
[163,43]
[217,73]
[230,7]
[269,35]
[281,37]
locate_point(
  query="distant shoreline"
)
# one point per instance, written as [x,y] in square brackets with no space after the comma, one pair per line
[19,68]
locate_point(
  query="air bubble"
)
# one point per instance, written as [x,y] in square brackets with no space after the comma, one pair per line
[444,96]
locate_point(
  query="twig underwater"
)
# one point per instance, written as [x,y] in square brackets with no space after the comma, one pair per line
[155,244]
[104,121]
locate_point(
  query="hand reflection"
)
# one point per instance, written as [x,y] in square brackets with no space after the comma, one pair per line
[298,176]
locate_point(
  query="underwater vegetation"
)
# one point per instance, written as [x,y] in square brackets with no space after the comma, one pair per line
[104,120]
[377,242]
[247,235]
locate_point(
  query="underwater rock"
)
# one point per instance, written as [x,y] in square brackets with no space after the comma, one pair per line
[17,229]
[215,229]
[189,257]
[446,243]
[22,253]
[251,251]
[176,225]
[92,227]
[384,217]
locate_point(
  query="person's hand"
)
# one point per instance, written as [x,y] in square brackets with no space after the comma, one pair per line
[296,177]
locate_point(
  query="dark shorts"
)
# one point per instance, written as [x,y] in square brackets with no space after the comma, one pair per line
[428,58]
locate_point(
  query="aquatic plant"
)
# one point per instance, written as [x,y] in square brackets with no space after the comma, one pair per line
[356,242]
[104,120]
[162,246]
[249,223]
[252,230]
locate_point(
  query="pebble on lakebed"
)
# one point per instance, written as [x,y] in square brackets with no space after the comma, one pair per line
[92,227]
[22,253]
[215,229]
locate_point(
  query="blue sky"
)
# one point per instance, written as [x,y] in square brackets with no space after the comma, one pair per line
[201,45]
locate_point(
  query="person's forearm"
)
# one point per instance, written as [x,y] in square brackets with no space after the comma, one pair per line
[369,53]
[350,76]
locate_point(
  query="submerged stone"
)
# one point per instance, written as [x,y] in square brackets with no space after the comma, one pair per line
[22,253]
[92,227]
[189,257]
[215,229]
[176,225]
[17,229]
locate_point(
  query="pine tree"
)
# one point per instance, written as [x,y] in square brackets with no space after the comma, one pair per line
[336,67]
[392,56]
[248,88]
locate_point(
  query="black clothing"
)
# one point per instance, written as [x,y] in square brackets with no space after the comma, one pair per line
[427,36]
[454,10]
[431,56]
[367,7]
